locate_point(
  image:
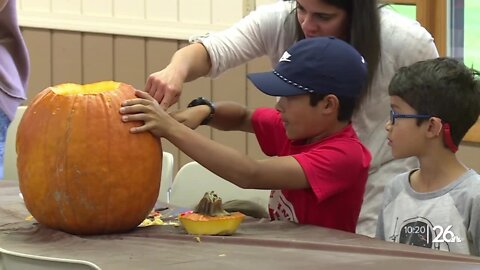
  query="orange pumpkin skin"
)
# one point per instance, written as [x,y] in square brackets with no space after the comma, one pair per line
[80,169]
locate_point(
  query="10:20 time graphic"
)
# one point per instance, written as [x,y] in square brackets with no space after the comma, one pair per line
[440,234]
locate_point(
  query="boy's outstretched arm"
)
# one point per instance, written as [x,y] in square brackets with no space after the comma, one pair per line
[271,173]
[228,116]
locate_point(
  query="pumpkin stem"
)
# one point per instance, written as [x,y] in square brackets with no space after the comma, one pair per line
[211,205]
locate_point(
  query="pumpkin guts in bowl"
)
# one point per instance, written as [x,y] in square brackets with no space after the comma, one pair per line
[209,218]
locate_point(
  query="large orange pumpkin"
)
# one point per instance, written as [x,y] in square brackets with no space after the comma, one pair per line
[80,169]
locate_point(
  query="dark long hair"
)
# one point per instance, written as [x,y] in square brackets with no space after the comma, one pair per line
[364,25]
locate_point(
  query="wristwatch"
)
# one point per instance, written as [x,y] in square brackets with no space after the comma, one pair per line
[203,101]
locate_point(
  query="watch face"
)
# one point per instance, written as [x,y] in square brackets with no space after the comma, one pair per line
[199,101]
[203,101]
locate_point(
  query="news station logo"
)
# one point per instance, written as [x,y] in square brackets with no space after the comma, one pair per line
[421,232]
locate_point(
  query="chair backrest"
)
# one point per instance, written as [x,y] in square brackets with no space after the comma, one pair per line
[193,180]
[10,154]
[167,177]
[11,260]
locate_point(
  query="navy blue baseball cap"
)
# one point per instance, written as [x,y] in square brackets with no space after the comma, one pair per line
[324,65]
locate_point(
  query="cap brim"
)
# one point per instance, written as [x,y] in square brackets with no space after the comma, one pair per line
[272,85]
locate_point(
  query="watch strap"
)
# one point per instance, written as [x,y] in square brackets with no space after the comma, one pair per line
[203,101]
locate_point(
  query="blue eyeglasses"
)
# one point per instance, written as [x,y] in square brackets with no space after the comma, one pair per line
[394,115]
[447,133]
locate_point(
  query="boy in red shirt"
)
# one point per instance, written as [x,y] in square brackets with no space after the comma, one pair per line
[318,167]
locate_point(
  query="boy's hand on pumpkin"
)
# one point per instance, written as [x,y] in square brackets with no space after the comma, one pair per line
[146,109]
[165,86]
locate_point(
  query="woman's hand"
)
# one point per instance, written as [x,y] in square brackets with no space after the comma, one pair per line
[165,86]
[187,64]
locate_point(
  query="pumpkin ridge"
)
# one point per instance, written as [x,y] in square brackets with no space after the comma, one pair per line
[109,164]
[34,177]
[112,193]
[59,154]
[70,219]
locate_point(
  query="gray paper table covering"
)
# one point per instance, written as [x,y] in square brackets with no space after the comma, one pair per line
[258,244]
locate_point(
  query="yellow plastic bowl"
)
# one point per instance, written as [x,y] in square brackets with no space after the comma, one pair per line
[198,224]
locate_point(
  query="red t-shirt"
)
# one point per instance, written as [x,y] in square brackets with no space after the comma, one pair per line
[336,168]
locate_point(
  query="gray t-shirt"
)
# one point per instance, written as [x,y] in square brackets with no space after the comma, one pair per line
[447,219]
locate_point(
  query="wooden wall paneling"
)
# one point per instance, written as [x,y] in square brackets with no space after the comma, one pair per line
[158,55]
[173,19]
[129,60]
[67,6]
[162,10]
[129,9]
[228,12]
[256,99]
[66,57]
[468,154]
[103,8]
[432,14]
[97,51]
[39,46]
[191,90]
[231,86]
[195,11]
[264,2]
[35,5]
[473,135]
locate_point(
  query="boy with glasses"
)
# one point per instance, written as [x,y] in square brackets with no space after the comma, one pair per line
[434,103]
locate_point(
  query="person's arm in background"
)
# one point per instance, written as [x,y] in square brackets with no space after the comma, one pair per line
[227,116]
[187,64]
[261,32]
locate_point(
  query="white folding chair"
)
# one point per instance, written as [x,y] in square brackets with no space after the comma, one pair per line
[11,260]
[193,180]
[10,154]
[166,178]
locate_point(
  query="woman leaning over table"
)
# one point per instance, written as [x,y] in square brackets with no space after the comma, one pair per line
[14,69]
[387,40]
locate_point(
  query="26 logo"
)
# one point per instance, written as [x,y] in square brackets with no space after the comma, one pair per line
[443,235]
